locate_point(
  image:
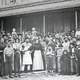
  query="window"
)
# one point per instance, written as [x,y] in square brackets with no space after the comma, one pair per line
[13,1]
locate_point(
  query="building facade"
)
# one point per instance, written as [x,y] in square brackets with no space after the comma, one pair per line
[45,15]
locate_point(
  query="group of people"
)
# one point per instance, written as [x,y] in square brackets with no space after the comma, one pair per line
[32,51]
[20,52]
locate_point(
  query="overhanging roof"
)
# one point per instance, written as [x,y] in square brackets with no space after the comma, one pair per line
[38,7]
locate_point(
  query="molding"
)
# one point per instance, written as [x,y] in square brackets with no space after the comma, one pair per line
[17,6]
[38,7]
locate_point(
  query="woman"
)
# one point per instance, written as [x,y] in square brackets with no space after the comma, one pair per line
[27,60]
[65,63]
[16,47]
[72,51]
[2,46]
[59,52]
[37,57]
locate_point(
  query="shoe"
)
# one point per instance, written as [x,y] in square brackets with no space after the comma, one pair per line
[10,76]
[15,76]
[6,77]
[78,75]
[1,75]
[19,75]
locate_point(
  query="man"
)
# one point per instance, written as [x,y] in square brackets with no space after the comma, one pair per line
[78,56]
[8,56]
[2,46]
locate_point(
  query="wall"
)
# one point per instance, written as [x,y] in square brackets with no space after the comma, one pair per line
[33,20]
[28,21]
[58,21]
[11,3]
[10,22]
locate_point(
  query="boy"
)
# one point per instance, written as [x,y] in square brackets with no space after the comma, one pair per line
[8,57]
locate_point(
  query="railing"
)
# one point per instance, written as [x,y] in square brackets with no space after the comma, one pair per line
[10,3]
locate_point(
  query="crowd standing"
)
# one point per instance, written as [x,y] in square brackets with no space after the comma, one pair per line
[32,51]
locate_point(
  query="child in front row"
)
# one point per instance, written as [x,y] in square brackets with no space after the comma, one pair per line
[50,59]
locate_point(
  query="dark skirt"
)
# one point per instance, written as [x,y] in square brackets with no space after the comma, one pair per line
[17,62]
[8,65]
[65,66]
[1,64]
[50,61]
[73,66]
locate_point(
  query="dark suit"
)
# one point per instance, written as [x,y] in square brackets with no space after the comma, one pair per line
[2,46]
[78,61]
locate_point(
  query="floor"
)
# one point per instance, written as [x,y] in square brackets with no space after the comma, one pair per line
[44,76]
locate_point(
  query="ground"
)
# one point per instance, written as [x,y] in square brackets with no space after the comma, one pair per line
[44,76]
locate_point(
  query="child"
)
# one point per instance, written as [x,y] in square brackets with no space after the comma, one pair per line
[65,63]
[49,57]
[73,58]
[14,34]
[59,52]
[8,57]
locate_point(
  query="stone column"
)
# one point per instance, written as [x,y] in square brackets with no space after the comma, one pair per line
[20,25]
[76,20]
[2,23]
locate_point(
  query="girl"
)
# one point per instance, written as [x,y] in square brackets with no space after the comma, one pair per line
[65,63]
[72,52]
[50,56]
[17,56]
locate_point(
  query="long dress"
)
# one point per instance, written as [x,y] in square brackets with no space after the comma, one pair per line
[78,57]
[2,46]
[37,58]
[65,64]
[27,56]
[50,59]
[59,54]
[73,60]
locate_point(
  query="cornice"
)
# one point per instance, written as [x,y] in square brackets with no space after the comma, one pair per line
[38,7]
[17,6]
